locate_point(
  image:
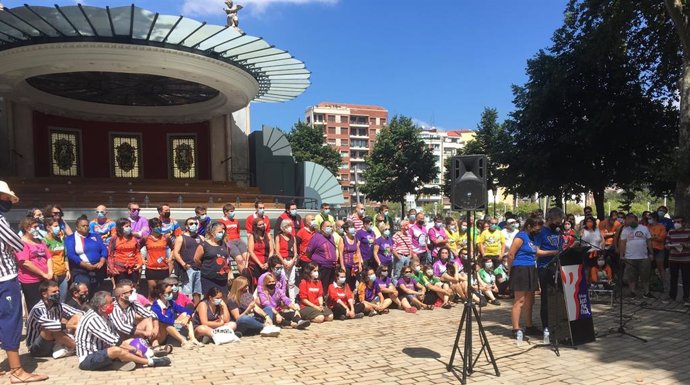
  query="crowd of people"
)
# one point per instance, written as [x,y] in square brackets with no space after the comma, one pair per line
[119,293]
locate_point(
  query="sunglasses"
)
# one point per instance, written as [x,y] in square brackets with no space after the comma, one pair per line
[137,210]
[192,223]
[100,212]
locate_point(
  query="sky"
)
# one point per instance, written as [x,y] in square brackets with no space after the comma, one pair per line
[439,62]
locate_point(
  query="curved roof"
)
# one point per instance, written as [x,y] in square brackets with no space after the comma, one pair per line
[280,76]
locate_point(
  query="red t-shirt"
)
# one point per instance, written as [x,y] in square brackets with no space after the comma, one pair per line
[303,238]
[311,291]
[260,249]
[232,228]
[336,293]
[249,223]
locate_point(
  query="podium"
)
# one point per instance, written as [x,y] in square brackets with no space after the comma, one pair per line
[570,311]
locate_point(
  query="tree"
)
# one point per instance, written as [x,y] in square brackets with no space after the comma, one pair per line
[679,10]
[587,119]
[308,145]
[400,163]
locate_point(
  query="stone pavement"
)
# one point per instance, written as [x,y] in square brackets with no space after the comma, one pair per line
[401,348]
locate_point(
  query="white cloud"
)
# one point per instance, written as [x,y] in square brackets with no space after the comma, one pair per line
[212,7]
[424,124]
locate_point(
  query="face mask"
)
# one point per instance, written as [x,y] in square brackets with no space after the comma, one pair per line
[108,309]
[134,214]
[601,263]
[288,230]
[463,228]
[231,214]
[313,224]
[278,271]
[386,233]
[219,236]
[41,218]
[326,212]
[158,230]
[661,213]
[166,215]
[417,268]
[420,223]
[271,286]
[439,225]
[5,206]
[384,274]
[429,272]
[127,230]
[314,274]
[677,226]
[453,228]
[54,298]
[411,218]
[132,297]
[217,301]
[83,298]
[408,275]
[633,225]
[567,227]
[493,227]
[260,212]
[351,231]
[651,221]
[372,278]
[341,280]
[489,265]
[329,230]
[193,228]
[175,289]
[293,213]
[35,233]
[385,213]
[169,297]
[203,217]
[100,215]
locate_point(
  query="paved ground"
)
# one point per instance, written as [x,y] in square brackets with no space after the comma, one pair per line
[400,348]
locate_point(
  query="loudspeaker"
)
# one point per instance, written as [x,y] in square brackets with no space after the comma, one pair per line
[468,178]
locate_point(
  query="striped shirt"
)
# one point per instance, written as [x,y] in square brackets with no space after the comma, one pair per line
[49,319]
[354,218]
[676,237]
[402,243]
[94,333]
[9,243]
[124,320]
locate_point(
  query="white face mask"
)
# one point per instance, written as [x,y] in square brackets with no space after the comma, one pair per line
[677,226]
[601,263]
[133,296]
[314,274]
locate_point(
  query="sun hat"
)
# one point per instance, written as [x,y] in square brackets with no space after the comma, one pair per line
[5,189]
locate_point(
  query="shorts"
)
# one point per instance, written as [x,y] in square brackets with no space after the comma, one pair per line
[10,314]
[157,274]
[96,361]
[309,313]
[193,285]
[237,247]
[524,278]
[220,284]
[41,347]
[660,255]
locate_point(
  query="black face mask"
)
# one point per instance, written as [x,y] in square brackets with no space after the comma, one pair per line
[166,215]
[54,298]
[5,206]
[83,298]
[271,287]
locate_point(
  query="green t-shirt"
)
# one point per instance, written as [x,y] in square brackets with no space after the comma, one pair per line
[501,270]
[424,280]
[487,278]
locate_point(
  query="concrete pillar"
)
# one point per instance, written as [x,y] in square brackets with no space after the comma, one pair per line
[6,139]
[219,148]
[22,127]
[239,130]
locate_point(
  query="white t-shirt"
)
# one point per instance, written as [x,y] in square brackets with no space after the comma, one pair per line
[592,237]
[636,241]
[509,236]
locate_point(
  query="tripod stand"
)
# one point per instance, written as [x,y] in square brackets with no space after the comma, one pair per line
[469,309]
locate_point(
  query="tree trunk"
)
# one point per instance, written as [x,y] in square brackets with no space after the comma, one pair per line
[598,194]
[402,209]
[682,193]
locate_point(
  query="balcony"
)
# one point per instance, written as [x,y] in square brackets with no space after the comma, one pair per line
[356,160]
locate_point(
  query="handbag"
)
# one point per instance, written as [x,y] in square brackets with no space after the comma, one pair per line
[224,335]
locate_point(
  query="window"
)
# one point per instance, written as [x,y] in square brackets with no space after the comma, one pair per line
[331,118]
[331,142]
[383,121]
[372,121]
[318,118]
[125,156]
[308,119]
[182,156]
[344,142]
[65,152]
[344,177]
[331,130]
[372,132]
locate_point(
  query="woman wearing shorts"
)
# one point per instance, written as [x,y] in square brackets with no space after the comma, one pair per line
[156,250]
[523,275]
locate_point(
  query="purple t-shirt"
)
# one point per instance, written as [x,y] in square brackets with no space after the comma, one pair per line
[366,243]
[411,285]
[439,268]
[383,283]
[385,253]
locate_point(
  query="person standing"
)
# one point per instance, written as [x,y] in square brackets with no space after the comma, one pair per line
[260,215]
[402,248]
[549,242]
[140,225]
[183,252]
[323,253]
[636,248]
[57,214]
[87,256]
[236,246]
[492,243]
[366,238]
[523,275]
[54,239]
[10,292]
[350,259]
[419,236]
[509,231]
[324,215]
[124,261]
[357,217]
[34,261]
[157,255]
[201,215]
[169,226]
[659,233]
[102,225]
[260,247]
[678,243]
[212,256]
[291,215]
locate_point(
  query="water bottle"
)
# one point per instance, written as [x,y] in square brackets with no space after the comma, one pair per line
[519,337]
[546,336]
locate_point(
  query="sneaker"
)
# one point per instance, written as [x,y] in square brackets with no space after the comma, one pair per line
[303,324]
[359,315]
[342,318]
[160,361]
[124,366]
[495,302]
[411,310]
[270,331]
[533,331]
[62,352]
[373,313]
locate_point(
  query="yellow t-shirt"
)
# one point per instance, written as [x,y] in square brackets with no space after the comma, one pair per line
[491,241]
[455,240]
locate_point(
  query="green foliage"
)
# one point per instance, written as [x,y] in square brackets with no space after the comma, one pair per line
[308,145]
[399,163]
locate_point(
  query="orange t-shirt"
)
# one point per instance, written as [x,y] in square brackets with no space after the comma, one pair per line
[125,251]
[157,251]
[658,232]
[604,228]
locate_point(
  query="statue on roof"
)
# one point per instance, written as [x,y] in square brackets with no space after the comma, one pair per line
[2,7]
[232,10]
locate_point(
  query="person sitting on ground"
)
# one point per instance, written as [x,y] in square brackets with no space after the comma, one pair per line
[601,274]
[488,279]
[439,266]
[386,286]
[130,318]
[481,287]
[341,301]
[311,295]
[50,324]
[244,310]
[279,308]
[275,268]
[435,289]
[78,296]
[502,278]
[179,297]
[210,314]
[170,314]
[369,294]
[411,292]
[99,346]
[451,274]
